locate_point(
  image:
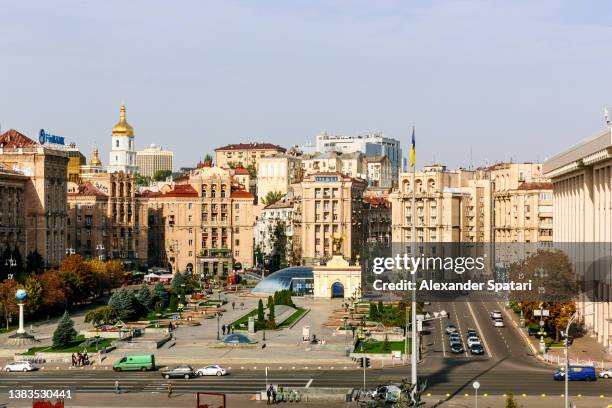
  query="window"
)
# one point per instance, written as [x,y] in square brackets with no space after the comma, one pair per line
[190,253]
[116,143]
[237,218]
[237,242]
[236,206]
[190,242]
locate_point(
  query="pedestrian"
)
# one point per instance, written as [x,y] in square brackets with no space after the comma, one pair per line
[169,390]
[232,326]
[117,387]
[73,360]
[223,329]
[99,357]
[269,394]
[233,305]
[273,395]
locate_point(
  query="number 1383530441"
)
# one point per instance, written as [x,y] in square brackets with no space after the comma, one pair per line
[39,394]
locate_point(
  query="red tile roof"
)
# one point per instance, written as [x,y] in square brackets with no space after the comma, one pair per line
[241,194]
[241,171]
[182,190]
[89,190]
[535,186]
[251,146]
[14,139]
[377,201]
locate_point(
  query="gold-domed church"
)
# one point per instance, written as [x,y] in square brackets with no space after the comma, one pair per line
[122,157]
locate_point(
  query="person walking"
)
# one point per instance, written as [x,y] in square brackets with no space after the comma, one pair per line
[73,360]
[273,395]
[117,387]
[233,305]
[169,390]
[269,394]
[223,329]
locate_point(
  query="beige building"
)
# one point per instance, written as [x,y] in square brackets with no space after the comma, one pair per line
[277,173]
[350,164]
[76,159]
[377,220]
[12,210]
[105,220]
[337,279]
[523,203]
[380,172]
[582,203]
[206,222]
[451,206]
[153,159]
[44,193]
[330,206]
[246,154]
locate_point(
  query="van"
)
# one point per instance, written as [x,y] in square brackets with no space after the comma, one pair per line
[135,362]
[577,373]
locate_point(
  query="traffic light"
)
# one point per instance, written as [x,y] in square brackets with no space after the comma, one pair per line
[365,362]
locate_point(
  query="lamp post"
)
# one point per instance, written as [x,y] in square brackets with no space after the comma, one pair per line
[219,315]
[567,360]
[100,248]
[541,273]
[70,251]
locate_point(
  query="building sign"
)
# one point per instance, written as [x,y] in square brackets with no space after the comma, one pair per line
[44,137]
[325,179]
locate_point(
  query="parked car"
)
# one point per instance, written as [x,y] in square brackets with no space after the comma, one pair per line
[457,348]
[451,328]
[533,331]
[576,373]
[180,371]
[473,340]
[19,366]
[606,373]
[498,323]
[496,314]
[476,349]
[213,369]
[135,362]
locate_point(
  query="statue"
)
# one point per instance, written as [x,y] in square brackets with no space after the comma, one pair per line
[337,245]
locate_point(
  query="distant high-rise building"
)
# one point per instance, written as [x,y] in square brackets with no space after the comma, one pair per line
[372,144]
[153,159]
[123,154]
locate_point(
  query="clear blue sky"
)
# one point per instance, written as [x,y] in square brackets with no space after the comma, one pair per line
[518,79]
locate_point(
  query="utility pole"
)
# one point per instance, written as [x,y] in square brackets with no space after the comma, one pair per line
[567,360]
[413,355]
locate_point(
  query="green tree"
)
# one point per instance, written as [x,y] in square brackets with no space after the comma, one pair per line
[34,262]
[272,197]
[101,315]
[178,280]
[162,175]
[143,296]
[208,158]
[252,171]
[35,291]
[160,295]
[173,306]
[64,334]
[124,302]
[271,318]
[381,309]
[373,312]
[260,311]
[141,180]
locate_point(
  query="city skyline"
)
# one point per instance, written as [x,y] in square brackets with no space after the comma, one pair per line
[186,86]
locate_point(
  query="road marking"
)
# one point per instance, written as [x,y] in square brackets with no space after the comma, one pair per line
[479,329]
[442,338]
[308,384]
[459,327]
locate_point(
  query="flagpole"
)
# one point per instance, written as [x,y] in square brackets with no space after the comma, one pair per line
[413,250]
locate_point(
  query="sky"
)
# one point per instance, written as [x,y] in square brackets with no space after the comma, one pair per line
[482,81]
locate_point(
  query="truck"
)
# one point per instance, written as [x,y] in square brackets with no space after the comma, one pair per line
[135,362]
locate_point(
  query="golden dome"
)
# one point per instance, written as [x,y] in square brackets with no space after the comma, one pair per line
[95,158]
[122,128]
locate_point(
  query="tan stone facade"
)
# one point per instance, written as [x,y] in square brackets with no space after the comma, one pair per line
[76,159]
[330,206]
[44,194]
[153,159]
[582,203]
[12,210]
[245,154]
[277,173]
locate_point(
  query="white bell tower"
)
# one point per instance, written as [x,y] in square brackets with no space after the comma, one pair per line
[123,152]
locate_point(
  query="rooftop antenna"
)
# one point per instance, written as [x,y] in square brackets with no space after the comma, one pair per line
[471,158]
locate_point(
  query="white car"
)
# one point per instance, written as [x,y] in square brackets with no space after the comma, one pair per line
[19,366]
[496,314]
[606,373]
[211,370]
[498,323]
[473,340]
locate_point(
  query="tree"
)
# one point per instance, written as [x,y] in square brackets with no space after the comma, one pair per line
[260,311]
[178,280]
[272,197]
[252,171]
[141,180]
[35,291]
[34,262]
[64,334]
[101,315]
[54,296]
[8,303]
[162,175]
[173,306]
[271,318]
[381,309]
[124,302]
[373,312]
[143,296]
[510,403]
[208,158]
[160,295]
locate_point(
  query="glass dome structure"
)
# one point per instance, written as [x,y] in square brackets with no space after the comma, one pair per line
[238,338]
[299,279]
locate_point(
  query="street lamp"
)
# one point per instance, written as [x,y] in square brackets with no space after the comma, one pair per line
[219,315]
[70,251]
[100,248]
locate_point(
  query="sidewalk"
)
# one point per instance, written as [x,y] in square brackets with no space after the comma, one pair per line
[582,350]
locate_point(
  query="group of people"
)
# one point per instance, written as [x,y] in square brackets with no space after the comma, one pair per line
[80,359]
[271,393]
[227,329]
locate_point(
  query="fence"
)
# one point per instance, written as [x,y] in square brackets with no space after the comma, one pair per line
[560,361]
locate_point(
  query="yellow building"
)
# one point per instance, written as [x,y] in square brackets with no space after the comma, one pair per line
[76,159]
[245,154]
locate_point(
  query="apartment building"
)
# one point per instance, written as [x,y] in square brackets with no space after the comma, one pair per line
[350,164]
[377,220]
[76,159]
[380,172]
[330,206]
[582,214]
[44,195]
[277,173]
[280,213]
[12,210]
[153,159]
[245,154]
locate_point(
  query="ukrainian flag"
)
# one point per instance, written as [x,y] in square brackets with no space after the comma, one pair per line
[413,150]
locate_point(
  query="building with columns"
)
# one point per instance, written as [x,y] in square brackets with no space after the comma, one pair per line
[44,192]
[12,210]
[582,213]
[122,157]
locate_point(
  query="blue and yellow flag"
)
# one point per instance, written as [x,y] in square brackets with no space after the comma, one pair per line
[413,150]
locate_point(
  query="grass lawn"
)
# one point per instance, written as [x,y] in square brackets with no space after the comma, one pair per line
[374,347]
[293,318]
[11,327]
[244,320]
[73,348]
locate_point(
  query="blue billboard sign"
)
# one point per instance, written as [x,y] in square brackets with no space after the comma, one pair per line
[44,137]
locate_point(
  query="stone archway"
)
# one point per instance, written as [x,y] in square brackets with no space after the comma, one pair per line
[189,269]
[337,290]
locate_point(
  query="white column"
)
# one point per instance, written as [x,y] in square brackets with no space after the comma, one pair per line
[21,330]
